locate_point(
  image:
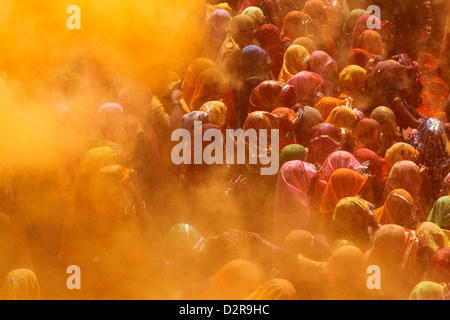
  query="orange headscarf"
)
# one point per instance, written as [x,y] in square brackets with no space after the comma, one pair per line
[235,281]
[343,117]
[371,41]
[343,183]
[327,104]
[398,209]
[352,78]
[293,27]
[296,59]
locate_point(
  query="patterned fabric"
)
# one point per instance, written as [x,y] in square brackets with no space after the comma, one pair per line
[431,145]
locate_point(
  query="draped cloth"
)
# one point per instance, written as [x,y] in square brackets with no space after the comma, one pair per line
[434,237]
[343,183]
[292,202]
[337,160]
[275,289]
[367,134]
[268,96]
[236,280]
[293,27]
[306,87]
[428,290]
[296,59]
[398,209]
[191,76]
[327,104]
[439,266]
[398,152]
[323,65]
[431,145]
[354,221]
[21,284]
[371,42]
[325,139]
[398,252]
[268,36]
[439,214]
[343,117]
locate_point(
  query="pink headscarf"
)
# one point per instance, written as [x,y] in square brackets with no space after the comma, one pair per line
[306,87]
[322,64]
[292,203]
[337,160]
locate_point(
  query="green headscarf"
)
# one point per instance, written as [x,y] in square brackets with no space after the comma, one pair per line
[351,20]
[293,152]
[440,213]
[428,290]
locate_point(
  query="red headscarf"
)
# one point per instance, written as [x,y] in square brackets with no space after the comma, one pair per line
[269,95]
[367,134]
[293,27]
[268,36]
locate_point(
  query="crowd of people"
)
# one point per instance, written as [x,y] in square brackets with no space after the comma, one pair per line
[363,182]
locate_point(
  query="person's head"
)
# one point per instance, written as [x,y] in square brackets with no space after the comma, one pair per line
[21,284]
[242,29]
[387,120]
[428,290]
[256,14]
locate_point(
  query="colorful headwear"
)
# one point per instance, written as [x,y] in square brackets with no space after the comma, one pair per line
[296,59]
[440,213]
[353,220]
[431,145]
[398,209]
[343,183]
[293,27]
